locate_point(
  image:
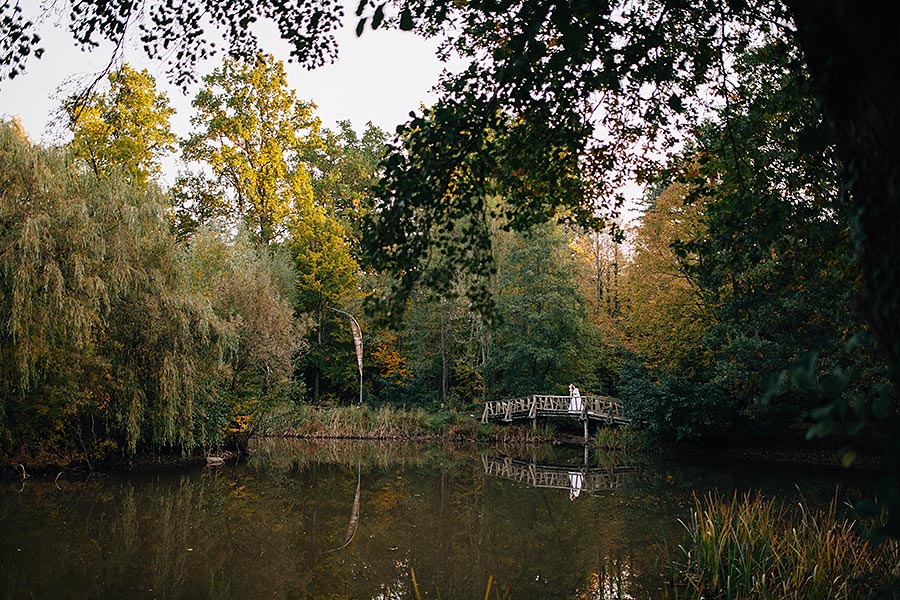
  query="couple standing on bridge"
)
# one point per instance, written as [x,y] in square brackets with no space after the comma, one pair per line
[574,399]
[576,478]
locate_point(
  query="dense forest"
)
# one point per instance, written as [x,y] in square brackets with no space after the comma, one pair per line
[144,314]
[481,245]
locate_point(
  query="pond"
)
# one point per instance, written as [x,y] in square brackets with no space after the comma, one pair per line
[354,519]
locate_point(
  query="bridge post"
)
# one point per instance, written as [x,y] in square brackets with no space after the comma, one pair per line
[585,430]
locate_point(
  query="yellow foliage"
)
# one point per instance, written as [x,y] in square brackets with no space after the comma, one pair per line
[391,364]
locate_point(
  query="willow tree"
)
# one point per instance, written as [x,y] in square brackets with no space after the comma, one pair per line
[558,64]
[251,291]
[256,136]
[102,341]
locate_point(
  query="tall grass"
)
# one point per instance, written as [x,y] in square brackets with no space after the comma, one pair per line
[621,438]
[750,547]
[390,423]
[385,422]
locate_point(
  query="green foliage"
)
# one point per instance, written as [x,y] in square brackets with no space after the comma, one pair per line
[673,408]
[756,548]
[666,312]
[541,338]
[116,338]
[743,263]
[520,121]
[623,439]
[100,328]
[239,279]
[445,343]
[177,32]
[255,135]
[538,339]
[344,171]
[326,278]
[856,407]
[327,272]
[126,127]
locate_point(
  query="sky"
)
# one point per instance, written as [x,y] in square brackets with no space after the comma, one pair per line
[379,77]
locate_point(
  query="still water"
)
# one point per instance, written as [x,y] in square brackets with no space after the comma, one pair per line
[354,519]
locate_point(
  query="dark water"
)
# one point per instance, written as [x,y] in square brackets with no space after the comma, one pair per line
[281,524]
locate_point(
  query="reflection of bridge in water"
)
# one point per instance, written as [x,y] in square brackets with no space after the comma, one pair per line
[574,479]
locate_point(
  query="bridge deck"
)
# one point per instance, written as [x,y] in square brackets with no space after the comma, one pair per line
[600,408]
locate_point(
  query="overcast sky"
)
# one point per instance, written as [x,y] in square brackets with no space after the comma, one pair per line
[379,77]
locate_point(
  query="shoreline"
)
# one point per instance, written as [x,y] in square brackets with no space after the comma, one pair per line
[143,462]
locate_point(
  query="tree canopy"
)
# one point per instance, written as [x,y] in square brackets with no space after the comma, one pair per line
[126,127]
[564,100]
[255,134]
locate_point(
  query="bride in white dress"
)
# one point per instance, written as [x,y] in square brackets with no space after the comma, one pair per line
[574,399]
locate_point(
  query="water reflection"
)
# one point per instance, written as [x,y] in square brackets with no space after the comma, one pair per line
[265,528]
[586,478]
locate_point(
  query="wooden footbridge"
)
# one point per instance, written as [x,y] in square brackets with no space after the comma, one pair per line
[599,408]
[574,479]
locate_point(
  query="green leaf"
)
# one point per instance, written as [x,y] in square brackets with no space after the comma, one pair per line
[822,413]
[378,17]
[406,21]
[853,343]
[803,373]
[771,385]
[820,430]
[856,428]
[835,384]
[848,458]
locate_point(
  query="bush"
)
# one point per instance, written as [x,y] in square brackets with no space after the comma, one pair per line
[671,408]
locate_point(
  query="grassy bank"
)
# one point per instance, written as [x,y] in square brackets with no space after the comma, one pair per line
[393,423]
[746,547]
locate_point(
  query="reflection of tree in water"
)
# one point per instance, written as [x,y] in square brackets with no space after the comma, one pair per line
[262,529]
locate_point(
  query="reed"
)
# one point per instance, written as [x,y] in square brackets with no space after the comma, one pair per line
[391,423]
[500,593]
[750,547]
[621,438]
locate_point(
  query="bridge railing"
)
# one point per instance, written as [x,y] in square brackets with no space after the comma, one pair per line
[549,476]
[531,407]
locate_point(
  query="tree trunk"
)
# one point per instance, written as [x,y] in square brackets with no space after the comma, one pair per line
[852,51]
[445,360]
[317,376]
